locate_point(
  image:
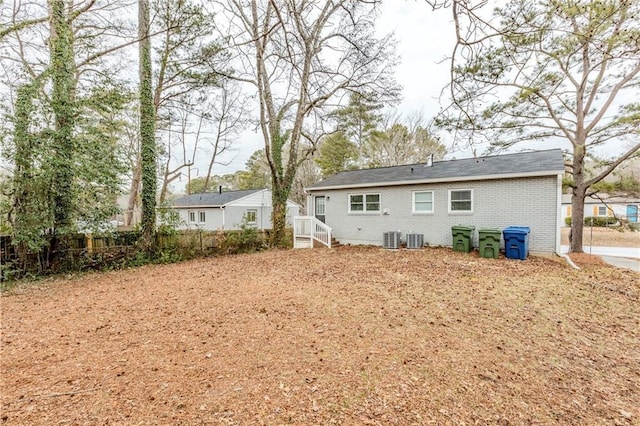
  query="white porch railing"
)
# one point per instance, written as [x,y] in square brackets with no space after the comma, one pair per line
[307,229]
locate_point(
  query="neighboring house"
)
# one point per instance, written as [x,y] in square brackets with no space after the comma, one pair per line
[521,189]
[229,210]
[626,209]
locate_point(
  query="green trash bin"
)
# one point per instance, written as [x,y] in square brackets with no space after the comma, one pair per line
[462,238]
[489,242]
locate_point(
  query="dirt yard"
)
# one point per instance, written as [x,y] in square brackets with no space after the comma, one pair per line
[349,336]
[605,237]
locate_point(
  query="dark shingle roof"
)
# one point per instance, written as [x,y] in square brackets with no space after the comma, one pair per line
[493,167]
[212,199]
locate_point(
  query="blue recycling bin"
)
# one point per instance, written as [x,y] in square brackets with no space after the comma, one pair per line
[516,242]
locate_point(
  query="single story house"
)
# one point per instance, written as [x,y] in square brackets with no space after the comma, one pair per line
[522,189]
[225,210]
[625,208]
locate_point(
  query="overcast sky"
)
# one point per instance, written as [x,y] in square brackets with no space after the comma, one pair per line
[425,38]
[425,41]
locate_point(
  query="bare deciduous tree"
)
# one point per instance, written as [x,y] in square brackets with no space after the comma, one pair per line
[188,60]
[301,55]
[227,114]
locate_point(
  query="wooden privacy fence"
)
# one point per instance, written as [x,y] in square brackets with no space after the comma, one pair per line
[94,252]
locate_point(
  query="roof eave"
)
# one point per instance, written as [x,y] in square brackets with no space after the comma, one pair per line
[438,180]
[203,206]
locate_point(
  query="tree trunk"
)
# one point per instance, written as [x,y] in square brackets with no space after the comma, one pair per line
[165,182]
[22,175]
[278,215]
[62,104]
[577,200]
[577,221]
[209,170]
[133,193]
[147,131]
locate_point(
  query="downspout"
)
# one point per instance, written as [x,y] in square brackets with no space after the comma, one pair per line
[222,208]
[568,259]
[559,225]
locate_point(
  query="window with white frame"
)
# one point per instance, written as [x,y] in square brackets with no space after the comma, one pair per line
[364,203]
[192,217]
[251,216]
[423,202]
[202,217]
[460,201]
[602,210]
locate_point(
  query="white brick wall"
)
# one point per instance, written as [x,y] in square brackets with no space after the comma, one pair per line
[500,203]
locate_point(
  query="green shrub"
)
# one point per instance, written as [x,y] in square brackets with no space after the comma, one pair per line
[126,238]
[600,220]
[247,239]
[595,221]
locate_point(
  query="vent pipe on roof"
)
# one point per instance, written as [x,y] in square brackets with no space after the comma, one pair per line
[430,160]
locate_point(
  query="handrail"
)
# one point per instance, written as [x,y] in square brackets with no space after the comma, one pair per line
[306,229]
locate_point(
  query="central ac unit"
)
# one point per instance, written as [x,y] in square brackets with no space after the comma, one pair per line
[415,241]
[391,240]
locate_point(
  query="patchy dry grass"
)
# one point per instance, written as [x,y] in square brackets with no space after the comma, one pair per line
[605,237]
[347,336]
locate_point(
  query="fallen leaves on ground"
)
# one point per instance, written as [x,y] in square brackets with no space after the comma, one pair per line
[348,336]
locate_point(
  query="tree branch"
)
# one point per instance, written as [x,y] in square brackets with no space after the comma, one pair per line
[613,165]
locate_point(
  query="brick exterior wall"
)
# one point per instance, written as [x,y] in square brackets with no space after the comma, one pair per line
[531,202]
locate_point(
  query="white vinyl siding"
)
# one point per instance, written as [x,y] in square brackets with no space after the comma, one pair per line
[422,202]
[364,203]
[460,201]
[233,214]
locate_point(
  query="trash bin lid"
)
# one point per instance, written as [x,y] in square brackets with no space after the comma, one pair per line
[463,228]
[517,230]
[489,230]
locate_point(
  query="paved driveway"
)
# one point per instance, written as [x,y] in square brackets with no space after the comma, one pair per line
[630,252]
[622,257]
[623,262]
